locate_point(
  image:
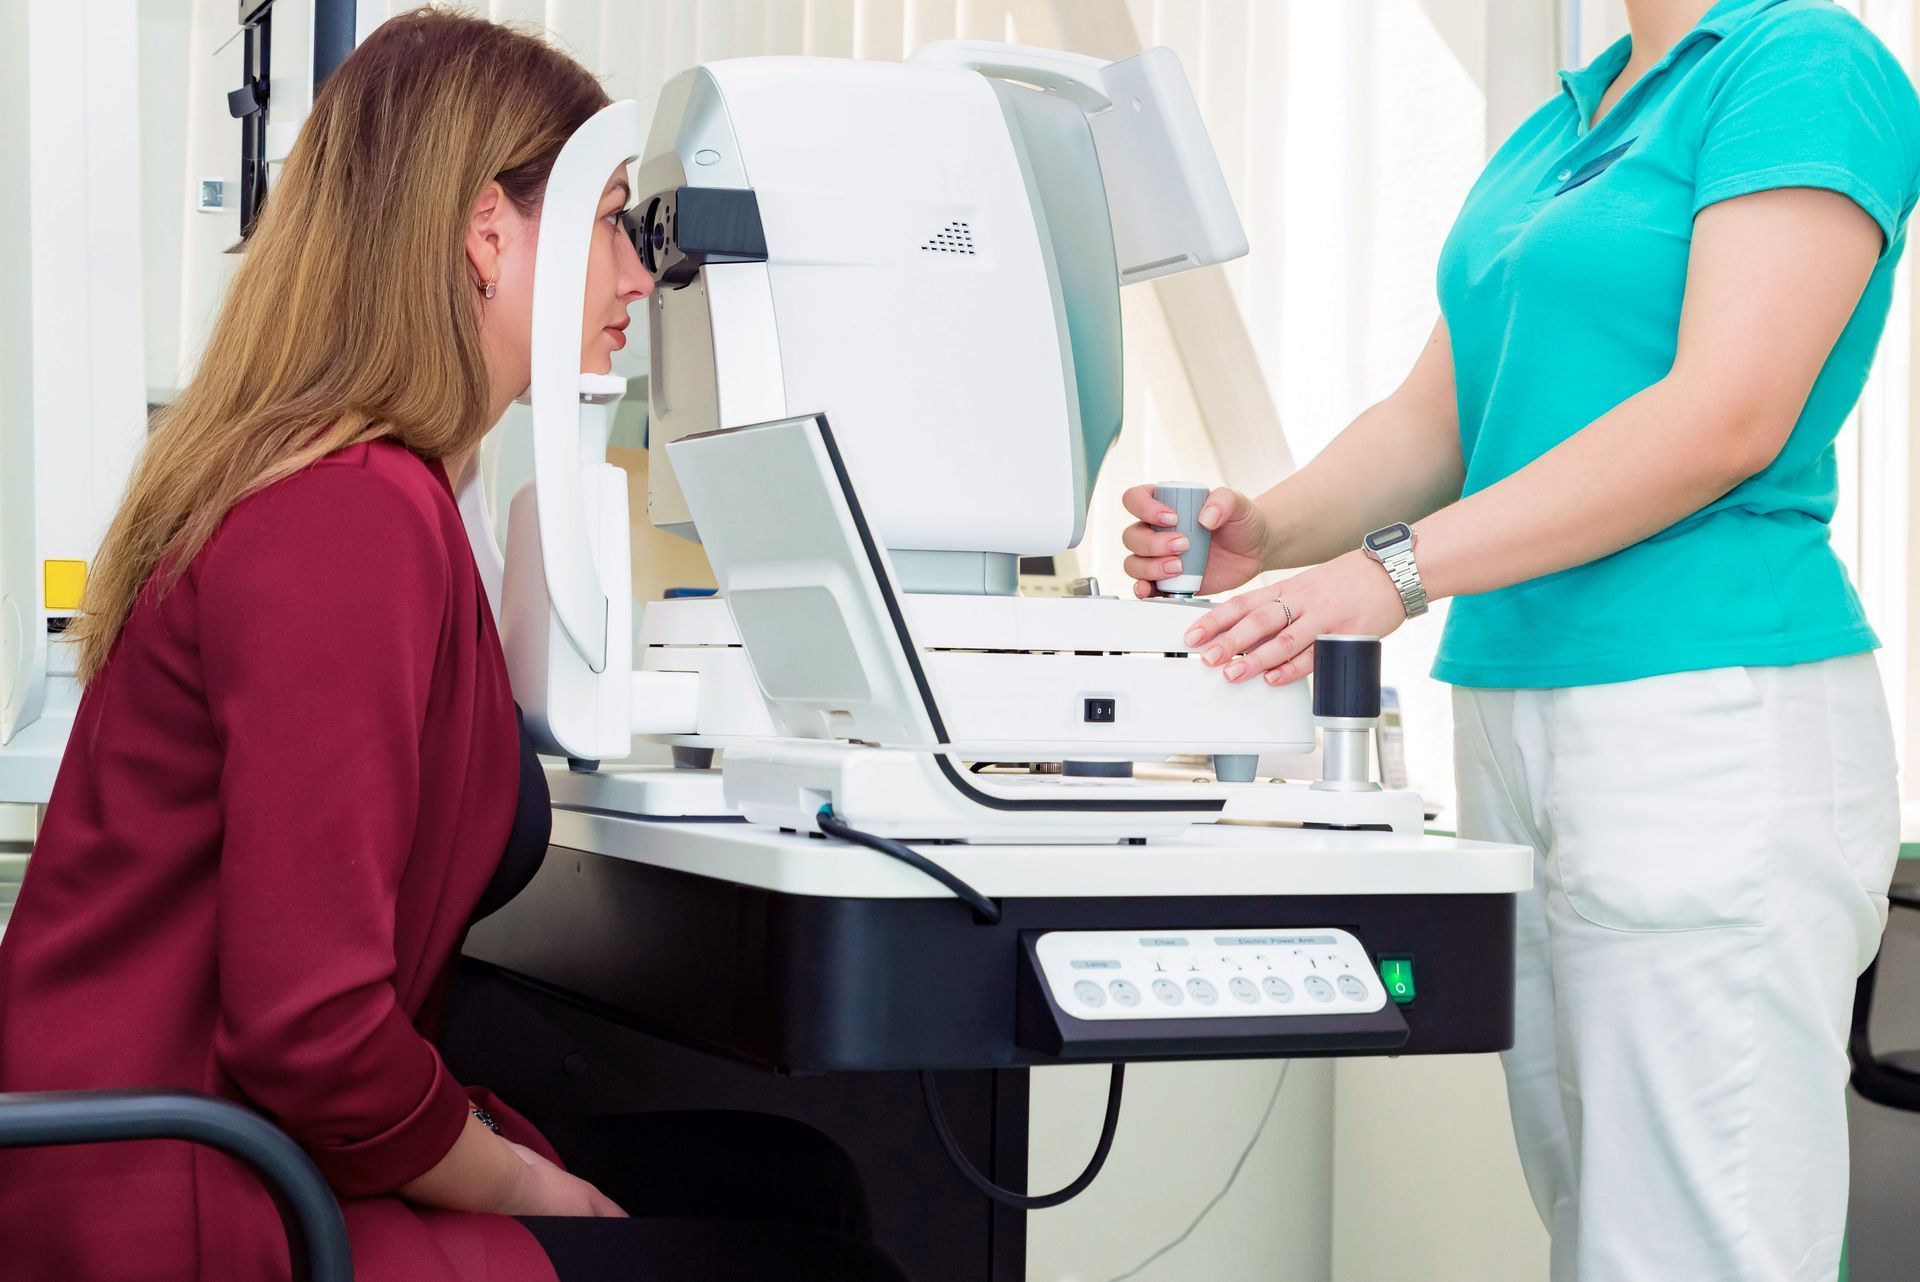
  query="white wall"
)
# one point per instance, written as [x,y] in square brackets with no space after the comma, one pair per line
[1427,1181]
[188,61]
[1181,1131]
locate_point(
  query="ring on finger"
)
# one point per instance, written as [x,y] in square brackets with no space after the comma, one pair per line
[1286,610]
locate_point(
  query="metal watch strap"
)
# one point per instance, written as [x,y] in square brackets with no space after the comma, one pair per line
[1406,578]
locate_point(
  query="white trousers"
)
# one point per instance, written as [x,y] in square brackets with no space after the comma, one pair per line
[1712,855]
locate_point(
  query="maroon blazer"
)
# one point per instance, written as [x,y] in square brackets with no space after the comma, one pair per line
[280,804]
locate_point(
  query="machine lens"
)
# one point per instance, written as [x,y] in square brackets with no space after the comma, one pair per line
[652,238]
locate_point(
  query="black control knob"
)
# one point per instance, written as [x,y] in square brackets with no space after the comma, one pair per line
[1346,677]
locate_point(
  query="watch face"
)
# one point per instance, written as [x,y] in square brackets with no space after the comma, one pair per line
[1382,539]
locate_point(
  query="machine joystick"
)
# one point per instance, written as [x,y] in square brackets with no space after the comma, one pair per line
[1186,499]
[1346,706]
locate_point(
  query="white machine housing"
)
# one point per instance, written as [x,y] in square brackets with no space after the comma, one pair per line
[957,301]
[1021,672]
[912,285]
[930,255]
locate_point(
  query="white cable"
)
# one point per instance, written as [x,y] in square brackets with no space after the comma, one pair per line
[1233,1175]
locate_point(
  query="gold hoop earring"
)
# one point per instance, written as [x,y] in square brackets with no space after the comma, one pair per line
[487,290]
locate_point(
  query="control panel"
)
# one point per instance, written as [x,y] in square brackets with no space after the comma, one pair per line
[1208,974]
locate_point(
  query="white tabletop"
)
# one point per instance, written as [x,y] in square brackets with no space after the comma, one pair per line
[1206,859]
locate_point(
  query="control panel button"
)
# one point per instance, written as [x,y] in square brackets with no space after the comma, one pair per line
[1124,993]
[1168,992]
[1203,992]
[1351,987]
[1243,989]
[1319,989]
[1090,993]
[1277,988]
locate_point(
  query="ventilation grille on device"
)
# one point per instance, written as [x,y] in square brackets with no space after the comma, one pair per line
[955,238]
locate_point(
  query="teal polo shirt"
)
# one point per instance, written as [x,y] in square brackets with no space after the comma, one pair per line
[1561,285]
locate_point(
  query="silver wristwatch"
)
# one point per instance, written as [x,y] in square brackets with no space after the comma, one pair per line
[1392,547]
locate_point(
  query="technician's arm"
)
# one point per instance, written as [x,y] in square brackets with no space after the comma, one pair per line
[1399,460]
[1772,279]
[1771,282]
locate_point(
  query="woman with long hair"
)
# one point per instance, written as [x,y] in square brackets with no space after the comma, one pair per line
[296,773]
[1658,306]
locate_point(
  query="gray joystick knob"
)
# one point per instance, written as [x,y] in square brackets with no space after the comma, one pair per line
[1186,500]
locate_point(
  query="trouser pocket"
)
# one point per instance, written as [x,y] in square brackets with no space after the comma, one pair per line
[1659,799]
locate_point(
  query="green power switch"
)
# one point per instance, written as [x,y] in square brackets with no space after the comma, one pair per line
[1397,974]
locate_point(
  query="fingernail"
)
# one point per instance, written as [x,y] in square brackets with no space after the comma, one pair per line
[1193,636]
[1174,567]
[1213,656]
[1235,671]
[1179,543]
[1208,515]
[1273,678]
[1167,518]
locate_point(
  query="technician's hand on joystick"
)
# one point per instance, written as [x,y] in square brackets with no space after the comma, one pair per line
[1239,532]
[1267,633]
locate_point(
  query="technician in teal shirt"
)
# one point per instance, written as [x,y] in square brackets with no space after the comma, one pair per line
[1659,303]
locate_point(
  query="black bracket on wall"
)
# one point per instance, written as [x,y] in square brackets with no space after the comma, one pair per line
[333,40]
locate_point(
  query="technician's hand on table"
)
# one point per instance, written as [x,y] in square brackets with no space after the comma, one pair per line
[1240,540]
[1268,632]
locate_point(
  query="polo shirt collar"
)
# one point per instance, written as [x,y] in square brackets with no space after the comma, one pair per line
[1728,15]
[1587,85]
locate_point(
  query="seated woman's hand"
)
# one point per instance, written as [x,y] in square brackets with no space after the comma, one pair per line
[1269,632]
[1239,547]
[545,1189]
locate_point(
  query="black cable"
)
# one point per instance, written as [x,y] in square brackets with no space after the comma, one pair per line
[989,912]
[985,908]
[1006,1196]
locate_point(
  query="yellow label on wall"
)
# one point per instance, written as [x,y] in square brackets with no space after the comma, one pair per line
[65,581]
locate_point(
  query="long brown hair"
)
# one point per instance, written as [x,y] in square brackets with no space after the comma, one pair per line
[352,317]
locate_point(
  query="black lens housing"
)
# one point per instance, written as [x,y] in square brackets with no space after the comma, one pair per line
[687,228]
